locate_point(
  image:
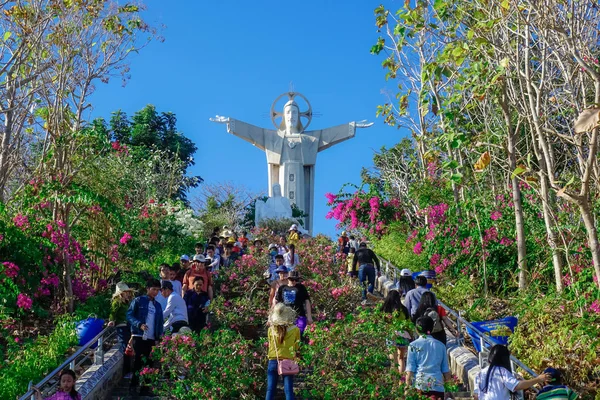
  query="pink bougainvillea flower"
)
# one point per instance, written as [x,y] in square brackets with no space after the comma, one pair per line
[418,248]
[24,301]
[11,270]
[21,221]
[330,197]
[496,215]
[125,238]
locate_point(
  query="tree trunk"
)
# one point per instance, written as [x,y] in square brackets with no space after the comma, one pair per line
[592,233]
[516,195]
[518,203]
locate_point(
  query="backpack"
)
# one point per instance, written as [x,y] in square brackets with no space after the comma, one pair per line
[437,321]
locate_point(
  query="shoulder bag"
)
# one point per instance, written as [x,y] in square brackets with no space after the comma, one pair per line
[285,366]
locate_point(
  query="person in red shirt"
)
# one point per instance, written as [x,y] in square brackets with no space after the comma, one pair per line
[343,245]
[243,239]
[198,269]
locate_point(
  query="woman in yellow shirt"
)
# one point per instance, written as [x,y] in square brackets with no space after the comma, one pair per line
[284,340]
[293,236]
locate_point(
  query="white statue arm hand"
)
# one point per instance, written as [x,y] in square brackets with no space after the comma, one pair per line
[362,124]
[248,132]
[220,119]
[334,135]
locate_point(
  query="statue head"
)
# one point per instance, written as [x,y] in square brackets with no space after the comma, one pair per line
[277,190]
[291,117]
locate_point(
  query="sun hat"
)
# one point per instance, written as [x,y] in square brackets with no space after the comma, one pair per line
[199,257]
[405,272]
[281,268]
[166,285]
[273,246]
[122,287]
[295,276]
[282,315]
[293,227]
[184,257]
[343,233]
[227,234]
[231,240]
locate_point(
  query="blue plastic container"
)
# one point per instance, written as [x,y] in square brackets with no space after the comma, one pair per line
[88,329]
[499,330]
[429,274]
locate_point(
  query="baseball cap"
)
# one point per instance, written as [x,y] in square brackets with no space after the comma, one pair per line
[281,268]
[199,257]
[185,257]
[405,272]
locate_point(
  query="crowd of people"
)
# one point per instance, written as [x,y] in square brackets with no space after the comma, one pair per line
[423,358]
[178,301]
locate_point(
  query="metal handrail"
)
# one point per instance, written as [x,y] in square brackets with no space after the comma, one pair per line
[460,320]
[70,362]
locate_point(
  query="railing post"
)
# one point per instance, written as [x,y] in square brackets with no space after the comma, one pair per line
[72,365]
[458,329]
[99,353]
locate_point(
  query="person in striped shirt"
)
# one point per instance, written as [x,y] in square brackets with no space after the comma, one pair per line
[555,389]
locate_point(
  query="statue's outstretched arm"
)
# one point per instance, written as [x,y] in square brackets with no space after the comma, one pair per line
[243,130]
[340,133]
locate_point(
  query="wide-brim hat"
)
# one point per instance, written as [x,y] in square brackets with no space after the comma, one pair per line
[295,276]
[282,315]
[273,246]
[293,227]
[121,288]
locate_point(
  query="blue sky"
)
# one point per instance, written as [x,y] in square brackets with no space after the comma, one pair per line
[234,58]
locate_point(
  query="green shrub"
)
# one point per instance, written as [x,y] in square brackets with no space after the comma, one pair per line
[33,360]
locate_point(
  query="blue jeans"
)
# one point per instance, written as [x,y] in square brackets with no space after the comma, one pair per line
[273,377]
[366,271]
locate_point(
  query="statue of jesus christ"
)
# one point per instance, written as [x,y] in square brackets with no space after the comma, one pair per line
[292,151]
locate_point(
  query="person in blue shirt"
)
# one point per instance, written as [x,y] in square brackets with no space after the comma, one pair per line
[145,317]
[427,362]
[413,297]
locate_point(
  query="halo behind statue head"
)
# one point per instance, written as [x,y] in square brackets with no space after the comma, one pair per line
[291,102]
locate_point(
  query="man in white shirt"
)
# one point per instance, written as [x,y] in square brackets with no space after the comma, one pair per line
[175,314]
[215,259]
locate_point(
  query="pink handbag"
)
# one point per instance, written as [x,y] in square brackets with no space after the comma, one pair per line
[287,367]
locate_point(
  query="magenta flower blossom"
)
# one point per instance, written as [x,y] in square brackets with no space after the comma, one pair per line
[330,197]
[418,249]
[496,215]
[595,306]
[126,238]
[24,301]
[11,270]
[21,222]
